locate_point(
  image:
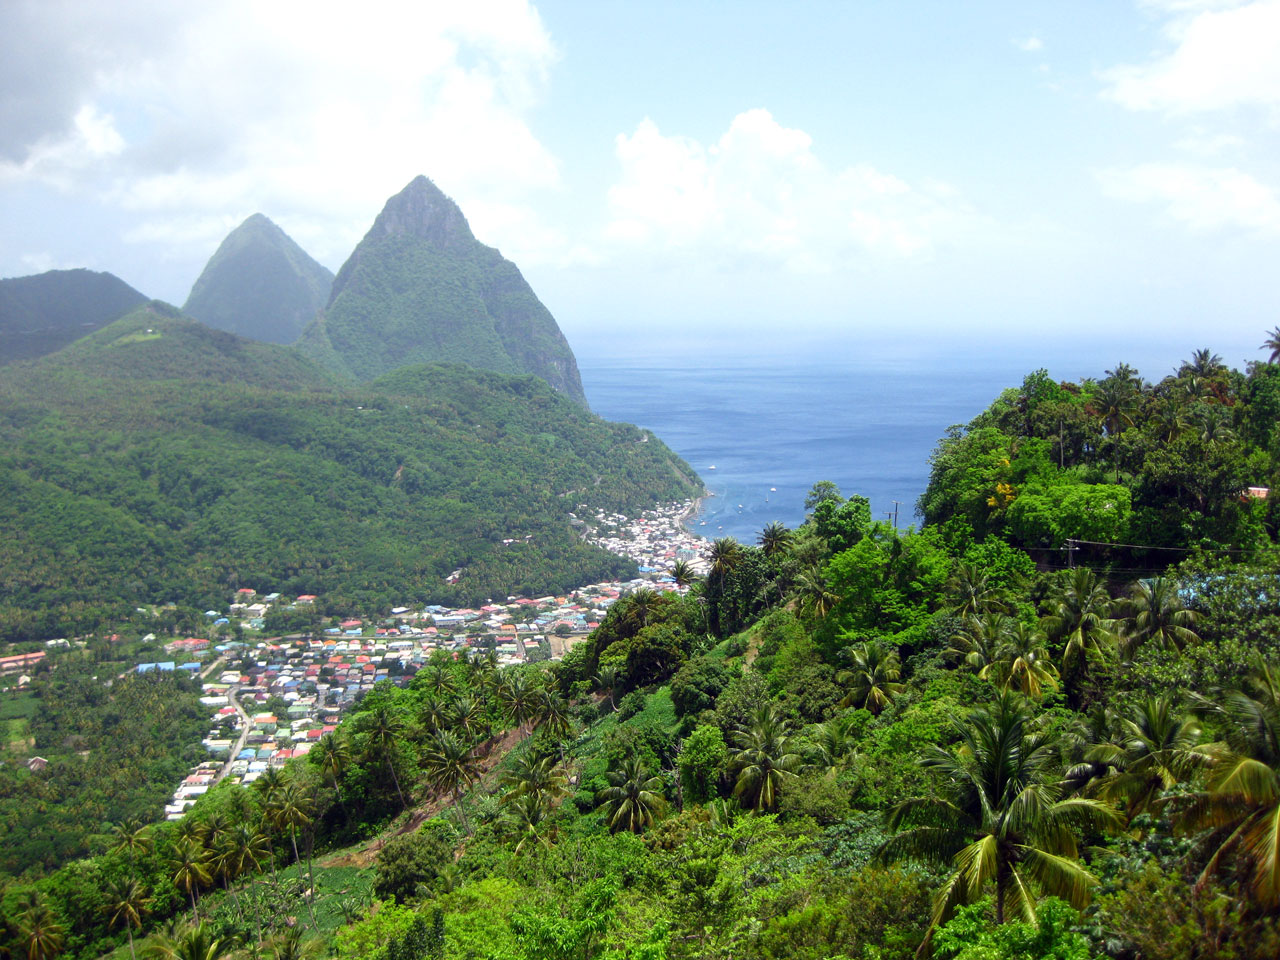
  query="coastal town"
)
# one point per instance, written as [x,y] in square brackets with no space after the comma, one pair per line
[272,699]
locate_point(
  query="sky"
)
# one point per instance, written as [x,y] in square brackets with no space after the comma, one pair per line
[748,177]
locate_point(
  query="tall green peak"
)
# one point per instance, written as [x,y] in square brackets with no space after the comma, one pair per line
[43,313]
[260,284]
[420,288]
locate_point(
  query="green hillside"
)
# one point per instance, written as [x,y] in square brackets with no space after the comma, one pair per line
[160,461]
[43,313]
[420,288]
[260,284]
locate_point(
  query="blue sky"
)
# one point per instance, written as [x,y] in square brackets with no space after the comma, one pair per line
[1006,177]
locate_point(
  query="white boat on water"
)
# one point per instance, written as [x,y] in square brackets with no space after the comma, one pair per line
[712,467]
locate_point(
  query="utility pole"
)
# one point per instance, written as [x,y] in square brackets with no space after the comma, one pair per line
[1071,554]
[896,504]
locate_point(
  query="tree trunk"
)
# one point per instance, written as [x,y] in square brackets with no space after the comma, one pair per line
[194,912]
[396,780]
[129,929]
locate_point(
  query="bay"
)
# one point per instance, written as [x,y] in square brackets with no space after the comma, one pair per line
[761,431]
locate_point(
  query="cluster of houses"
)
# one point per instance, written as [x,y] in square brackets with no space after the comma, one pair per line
[318,678]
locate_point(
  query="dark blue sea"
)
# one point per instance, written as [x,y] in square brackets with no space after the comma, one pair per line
[762,430]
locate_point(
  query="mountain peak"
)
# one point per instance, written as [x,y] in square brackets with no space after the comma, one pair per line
[420,288]
[423,211]
[259,284]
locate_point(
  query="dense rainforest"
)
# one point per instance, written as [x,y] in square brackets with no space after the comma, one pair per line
[160,461]
[991,737]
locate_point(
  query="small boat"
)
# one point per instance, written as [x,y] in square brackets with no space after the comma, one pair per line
[773,489]
[712,467]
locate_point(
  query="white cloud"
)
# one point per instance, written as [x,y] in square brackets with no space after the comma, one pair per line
[759,194]
[1029,44]
[296,108]
[1202,198]
[1224,55]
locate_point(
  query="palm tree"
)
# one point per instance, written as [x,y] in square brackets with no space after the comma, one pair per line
[385,729]
[1156,750]
[1156,615]
[1080,617]
[292,810]
[539,776]
[517,699]
[775,539]
[815,597]
[196,943]
[640,607]
[725,557]
[1214,427]
[978,644]
[833,746]
[763,759]
[551,713]
[682,573]
[526,817]
[1001,818]
[1116,403]
[1272,343]
[1171,418]
[873,679]
[290,945]
[1240,803]
[242,850]
[450,766]
[438,677]
[131,838]
[190,864]
[127,902]
[1022,662]
[334,757]
[39,930]
[1203,363]
[467,716]
[607,678]
[972,592]
[633,800]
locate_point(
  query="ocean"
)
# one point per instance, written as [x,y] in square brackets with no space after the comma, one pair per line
[761,431]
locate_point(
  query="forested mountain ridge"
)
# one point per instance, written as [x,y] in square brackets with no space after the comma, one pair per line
[43,313]
[158,460]
[420,288]
[259,284]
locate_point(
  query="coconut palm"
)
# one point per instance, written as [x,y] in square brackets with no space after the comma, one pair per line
[467,716]
[1272,343]
[450,765]
[1081,619]
[833,746]
[814,595]
[1000,818]
[39,930]
[132,839]
[527,818]
[1116,402]
[971,592]
[438,677]
[763,759]
[872,680]
[1022,662]
[1203,363]
[633,800]
[1239,806]
[1171,419]
[126,904]
[978,643]
[516,695]
[334,757]
[196,943]
[384,729]
[292,945]
[551,713]
[682,573]
[292,810]
[607,678]
[539,776]
[190,864]
[1214,427]
[775,539]
[1156,614]
[1156,749]
[640,607]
